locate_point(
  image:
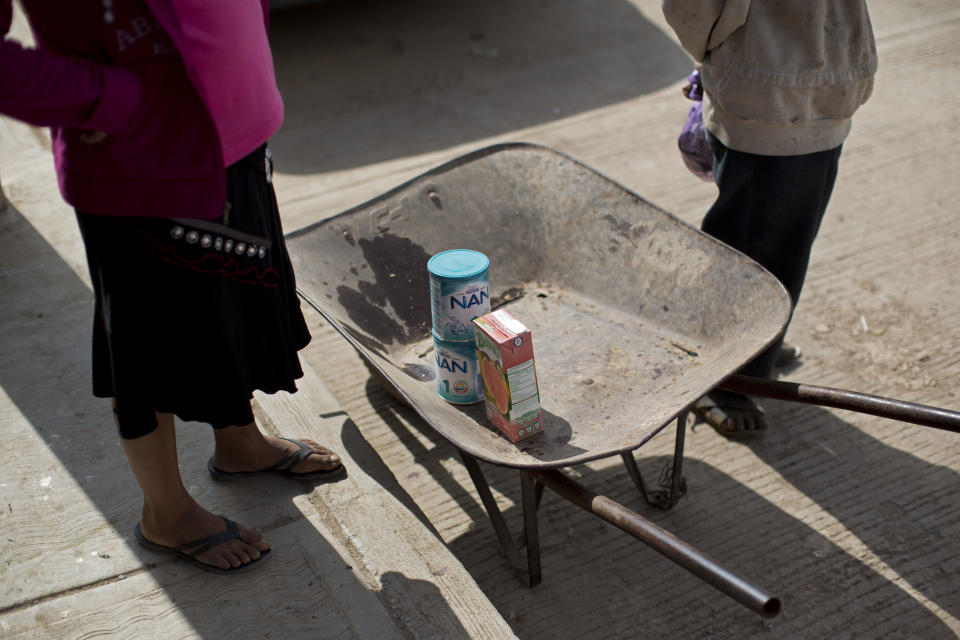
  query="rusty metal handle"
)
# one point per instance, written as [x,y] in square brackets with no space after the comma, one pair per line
[662,541]
[843,399]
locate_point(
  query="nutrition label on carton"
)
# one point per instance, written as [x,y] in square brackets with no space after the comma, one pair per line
[522,380]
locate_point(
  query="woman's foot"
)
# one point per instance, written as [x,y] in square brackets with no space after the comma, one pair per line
[172,518]
[246,449]
[194,523]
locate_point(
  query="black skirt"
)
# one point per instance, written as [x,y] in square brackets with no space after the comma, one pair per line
[192,316]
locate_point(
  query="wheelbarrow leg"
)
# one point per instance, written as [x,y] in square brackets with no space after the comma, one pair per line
[531,490]
[538,497]
[493,511]
[675,486]
[531,498]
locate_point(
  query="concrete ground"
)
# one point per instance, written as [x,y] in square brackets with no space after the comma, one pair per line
[851,520]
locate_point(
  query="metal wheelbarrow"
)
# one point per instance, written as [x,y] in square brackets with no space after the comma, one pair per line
[635,315]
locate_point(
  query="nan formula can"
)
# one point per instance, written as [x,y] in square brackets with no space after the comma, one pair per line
[459,292]
[458,376]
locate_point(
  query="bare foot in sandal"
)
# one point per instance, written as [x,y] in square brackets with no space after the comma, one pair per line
[732,415]
[245,451]
[204,539]
[172,522]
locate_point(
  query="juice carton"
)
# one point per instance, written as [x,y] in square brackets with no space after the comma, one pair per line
[505,360]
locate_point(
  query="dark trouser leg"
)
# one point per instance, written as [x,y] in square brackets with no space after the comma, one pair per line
[770,208]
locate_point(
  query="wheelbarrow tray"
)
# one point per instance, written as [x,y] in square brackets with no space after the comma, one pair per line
[634,313]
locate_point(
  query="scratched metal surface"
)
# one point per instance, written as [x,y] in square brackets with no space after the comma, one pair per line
[634,313]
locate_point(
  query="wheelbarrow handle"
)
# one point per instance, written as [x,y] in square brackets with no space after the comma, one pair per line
[661,540]
[843,399]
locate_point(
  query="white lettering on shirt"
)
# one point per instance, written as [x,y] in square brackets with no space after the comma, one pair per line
[124,40]
[139,28]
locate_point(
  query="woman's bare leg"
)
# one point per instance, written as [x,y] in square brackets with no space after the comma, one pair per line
[246,448]
[170,515]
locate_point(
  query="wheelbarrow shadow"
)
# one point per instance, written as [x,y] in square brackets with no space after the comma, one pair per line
[901,507]
[367,81]
[596,576]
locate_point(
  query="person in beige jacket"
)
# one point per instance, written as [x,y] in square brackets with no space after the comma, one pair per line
[782,80]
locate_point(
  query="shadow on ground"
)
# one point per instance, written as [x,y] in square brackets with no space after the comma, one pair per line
[366,81]
[901,507]
[45,372]
[596,576]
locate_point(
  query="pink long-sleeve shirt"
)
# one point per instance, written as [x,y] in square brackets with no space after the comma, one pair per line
[184,88]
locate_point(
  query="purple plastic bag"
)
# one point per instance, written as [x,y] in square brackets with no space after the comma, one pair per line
[694,147]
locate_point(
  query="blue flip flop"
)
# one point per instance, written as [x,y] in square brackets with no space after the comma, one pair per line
[283,468]
[203,544]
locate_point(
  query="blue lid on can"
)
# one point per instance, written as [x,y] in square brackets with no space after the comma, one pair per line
[457,264]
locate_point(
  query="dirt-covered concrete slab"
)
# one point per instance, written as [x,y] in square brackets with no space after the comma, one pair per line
[851,520]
